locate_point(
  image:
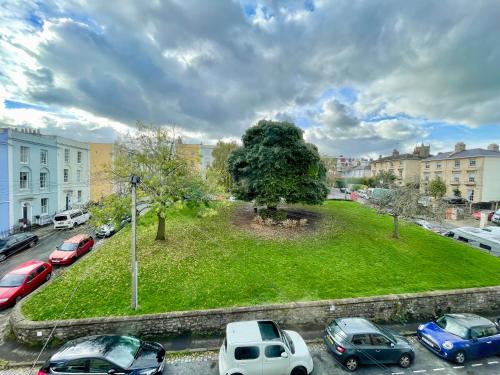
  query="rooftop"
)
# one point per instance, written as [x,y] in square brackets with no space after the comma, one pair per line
[252,331]
[27,267]
[472,153]
[470,320]
[356,325]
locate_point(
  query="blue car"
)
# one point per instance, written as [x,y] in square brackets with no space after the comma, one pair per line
[458,337]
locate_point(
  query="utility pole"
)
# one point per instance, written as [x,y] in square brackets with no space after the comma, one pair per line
[134,180]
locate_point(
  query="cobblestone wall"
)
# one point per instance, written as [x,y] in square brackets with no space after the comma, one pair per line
[299,315]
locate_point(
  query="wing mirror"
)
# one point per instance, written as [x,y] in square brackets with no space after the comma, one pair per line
[391,344]
[112,371]
[284,355]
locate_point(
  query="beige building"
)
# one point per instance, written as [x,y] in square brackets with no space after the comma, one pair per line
[406,167]
[475,173]
[101,157]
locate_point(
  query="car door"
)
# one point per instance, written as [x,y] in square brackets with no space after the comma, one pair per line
[11,246]
[248,358]
[273,362]
[29,283]
[80,250]
[483,342]
[383,351]
[363,347]
[101,366]
[40,275]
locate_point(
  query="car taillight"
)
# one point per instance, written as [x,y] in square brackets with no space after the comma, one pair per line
[340,349]
[42,372]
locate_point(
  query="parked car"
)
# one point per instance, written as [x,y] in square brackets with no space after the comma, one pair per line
[455,200]
[357,341]
[70,219]
[107,354]
[262,348]
[22,280]
[458,337]
[496,217]
[70,250]
[105,231]
[15,243]
[477,215]
[125,221]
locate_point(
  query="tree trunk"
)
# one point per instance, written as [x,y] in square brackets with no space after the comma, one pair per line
[396,226]
[160,233]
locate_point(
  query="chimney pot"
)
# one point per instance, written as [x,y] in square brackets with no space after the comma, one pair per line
[460,146]
[493,147]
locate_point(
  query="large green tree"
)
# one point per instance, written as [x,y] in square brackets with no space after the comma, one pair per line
[275,162]
[384,179]
[437,188]
[166,178]
[219,167]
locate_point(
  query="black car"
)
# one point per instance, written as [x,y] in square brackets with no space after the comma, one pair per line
[455,200]
[107,354]
[15,243]
[356,341]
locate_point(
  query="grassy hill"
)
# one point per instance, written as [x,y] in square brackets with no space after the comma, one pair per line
[208,262]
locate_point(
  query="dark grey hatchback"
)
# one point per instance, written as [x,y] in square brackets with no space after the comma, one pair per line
[108,354]
[355,341]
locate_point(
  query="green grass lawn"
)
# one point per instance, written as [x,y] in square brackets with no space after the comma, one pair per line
[208,263]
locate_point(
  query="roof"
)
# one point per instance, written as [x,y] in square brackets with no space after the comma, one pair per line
[356,325]
[91,346]
[27,267]
[472,153]
[77,238]
[398,157]
[252,331]
[68,212]
[470,320]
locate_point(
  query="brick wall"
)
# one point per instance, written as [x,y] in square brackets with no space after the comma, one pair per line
[299,315]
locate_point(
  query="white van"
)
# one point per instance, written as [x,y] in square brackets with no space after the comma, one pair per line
[70,219]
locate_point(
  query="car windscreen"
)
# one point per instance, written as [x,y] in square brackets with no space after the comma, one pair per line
[451,325]
[67,246]
[61,218]
[123,351]
[337,332]
[386,332]
[2,243]
[11,280]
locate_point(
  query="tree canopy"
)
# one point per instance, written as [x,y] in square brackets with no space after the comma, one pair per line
[275,162]
[219,168]
[437,188]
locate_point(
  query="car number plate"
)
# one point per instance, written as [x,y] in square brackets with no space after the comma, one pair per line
[427,342]
[330,339]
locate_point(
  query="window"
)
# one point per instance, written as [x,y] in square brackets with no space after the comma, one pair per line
[472,162]
[40,269]
[485,331]
[66,175]
[78,175]
[99,366]
[400,173]
[25,154]
[472,177]
[456,177]
[43,157]
[23,180]
[31,276]
[426,177]
[380,340]
[457,163]
[438,165]
[452,326]
[274,351]
[74,366]
[470,195]
[44,204]
[438,175]
[392,164]
[79,196]
[66,155]
[79,157]
[361,340]
[427,165]
[43,180]
[246,352]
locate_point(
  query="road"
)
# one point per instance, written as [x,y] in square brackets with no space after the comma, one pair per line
[43,249]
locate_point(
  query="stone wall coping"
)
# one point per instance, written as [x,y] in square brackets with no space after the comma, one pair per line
[19,321]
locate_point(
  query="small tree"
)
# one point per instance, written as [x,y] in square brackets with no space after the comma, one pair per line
[112,208]
[276,163]
[457,193]
[219,169]
[384,179]
[437,188]
[399,202]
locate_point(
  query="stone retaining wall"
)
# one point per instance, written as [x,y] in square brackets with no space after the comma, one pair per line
[299,315]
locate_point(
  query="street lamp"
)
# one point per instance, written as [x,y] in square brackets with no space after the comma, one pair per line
[134,181]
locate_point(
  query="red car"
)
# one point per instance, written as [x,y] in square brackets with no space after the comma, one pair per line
[22,280]
[70,250]
[477,215]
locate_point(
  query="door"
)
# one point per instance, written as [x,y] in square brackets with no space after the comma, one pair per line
[485,341]
[68,201]
[363,347]
[248,358]
[273,362]
[40,276]
[30,283]
[383,351]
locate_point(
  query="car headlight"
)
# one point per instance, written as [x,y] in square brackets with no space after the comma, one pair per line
[148,372]
[3,300]
[421,327]
[447,345]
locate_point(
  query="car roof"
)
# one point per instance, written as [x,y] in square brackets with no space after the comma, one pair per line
[353,326]
[252,331]
[27,267]
[470,320]
[77,238]
[90,346]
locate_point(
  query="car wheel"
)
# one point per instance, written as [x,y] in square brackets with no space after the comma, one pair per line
[404,360]
[459,357]
[299,371]
[32,244]
[73,260]
[47,278]
[352,364]
[2,257]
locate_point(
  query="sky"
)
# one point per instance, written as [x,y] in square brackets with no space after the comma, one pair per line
[359,77]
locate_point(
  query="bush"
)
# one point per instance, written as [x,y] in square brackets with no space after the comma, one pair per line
[275,215]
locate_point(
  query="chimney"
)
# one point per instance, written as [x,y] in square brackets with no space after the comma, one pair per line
[459,147]
[493,147]
[422,151]
[395,153]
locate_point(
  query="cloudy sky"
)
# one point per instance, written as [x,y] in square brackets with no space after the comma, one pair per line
[360,77]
